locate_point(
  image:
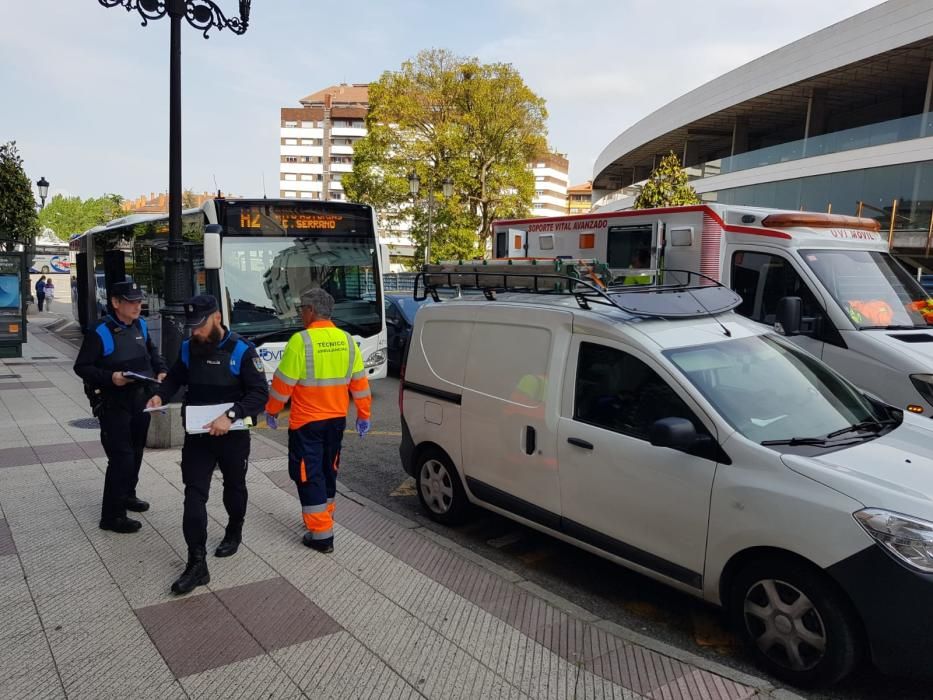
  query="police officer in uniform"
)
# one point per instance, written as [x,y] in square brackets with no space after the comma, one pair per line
[218,367]
[120,343]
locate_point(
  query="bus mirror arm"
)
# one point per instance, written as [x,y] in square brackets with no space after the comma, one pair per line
[212,258]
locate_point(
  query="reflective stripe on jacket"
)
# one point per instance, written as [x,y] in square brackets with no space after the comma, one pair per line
[321,368]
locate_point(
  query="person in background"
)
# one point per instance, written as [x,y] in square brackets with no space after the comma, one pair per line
[40,292]
[321,368]
[49,293]
[120,343]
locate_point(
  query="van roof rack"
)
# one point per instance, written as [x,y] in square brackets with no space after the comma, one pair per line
[674,294]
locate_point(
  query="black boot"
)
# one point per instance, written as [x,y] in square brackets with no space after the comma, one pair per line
[231,541]
[195,574]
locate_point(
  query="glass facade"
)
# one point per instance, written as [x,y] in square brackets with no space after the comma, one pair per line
[910,184]
[891,131]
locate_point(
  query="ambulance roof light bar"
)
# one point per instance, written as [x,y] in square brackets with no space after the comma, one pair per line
[818,220]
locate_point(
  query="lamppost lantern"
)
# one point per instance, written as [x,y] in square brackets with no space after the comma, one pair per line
[43,186]
[414,183]
[448,187]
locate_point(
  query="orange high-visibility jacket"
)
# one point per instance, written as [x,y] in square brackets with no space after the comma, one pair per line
[321,368]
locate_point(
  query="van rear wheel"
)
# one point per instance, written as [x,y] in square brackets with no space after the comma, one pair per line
[439,488]
[795,622]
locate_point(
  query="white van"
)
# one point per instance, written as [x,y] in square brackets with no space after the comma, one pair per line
[700,449]
[865,316]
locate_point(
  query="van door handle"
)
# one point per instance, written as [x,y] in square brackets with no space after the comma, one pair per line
[580,443]
[529,440]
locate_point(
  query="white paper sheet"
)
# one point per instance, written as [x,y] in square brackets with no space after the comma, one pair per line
[196,417]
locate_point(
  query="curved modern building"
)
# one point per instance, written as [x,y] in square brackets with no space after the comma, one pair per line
[838,121]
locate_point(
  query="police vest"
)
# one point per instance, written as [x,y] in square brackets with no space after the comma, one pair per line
[125,347]
[214,377]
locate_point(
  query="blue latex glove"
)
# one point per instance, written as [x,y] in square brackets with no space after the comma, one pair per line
[362,426]
[272,422]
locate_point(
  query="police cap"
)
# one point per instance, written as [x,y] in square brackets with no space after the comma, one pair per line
[198,309]
[126,290]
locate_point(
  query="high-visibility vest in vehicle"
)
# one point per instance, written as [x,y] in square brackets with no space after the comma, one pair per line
[321,368]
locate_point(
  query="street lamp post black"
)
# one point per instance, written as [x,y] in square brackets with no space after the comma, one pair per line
[43,186]
[203,15]
[414,184]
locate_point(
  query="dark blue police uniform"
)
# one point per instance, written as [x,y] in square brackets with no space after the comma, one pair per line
[228,371]
[117,347]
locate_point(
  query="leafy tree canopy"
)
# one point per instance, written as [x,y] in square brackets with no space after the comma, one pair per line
[667,186]
[67,216]
[18,220]
[445,116]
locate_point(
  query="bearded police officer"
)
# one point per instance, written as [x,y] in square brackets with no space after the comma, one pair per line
[218,367]
[120,344]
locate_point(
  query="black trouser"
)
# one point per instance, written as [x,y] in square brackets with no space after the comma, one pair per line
[40,297]
[199,456]
[123,430]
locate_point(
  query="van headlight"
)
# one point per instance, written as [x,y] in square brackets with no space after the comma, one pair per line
[375,359]
[923,383]
[909,539]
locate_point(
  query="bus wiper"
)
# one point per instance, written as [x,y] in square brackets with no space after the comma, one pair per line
[278,333]
[874,425]
[903,327]
[796,441]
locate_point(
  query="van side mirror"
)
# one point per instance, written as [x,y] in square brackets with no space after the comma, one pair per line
[788,317]
[212,259]
[675,433]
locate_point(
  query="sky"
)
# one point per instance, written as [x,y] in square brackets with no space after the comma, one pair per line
[85,88]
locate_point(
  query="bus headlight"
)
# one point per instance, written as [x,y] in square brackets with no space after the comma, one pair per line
[375,359]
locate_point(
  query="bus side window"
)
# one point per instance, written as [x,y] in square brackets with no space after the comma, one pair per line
[762,280]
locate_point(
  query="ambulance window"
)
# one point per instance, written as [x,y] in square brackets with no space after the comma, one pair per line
[762,280]
[621,393]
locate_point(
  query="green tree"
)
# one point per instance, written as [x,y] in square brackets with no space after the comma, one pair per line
[67,216]
[667,186]
[18,220]
[445,116]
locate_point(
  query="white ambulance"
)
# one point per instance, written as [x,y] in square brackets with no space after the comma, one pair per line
[860,310]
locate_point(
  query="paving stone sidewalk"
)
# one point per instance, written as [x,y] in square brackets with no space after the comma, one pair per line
[395,612]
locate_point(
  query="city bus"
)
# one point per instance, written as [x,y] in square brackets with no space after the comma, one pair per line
[262,254]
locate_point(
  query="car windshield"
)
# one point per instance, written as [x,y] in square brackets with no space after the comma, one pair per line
[871,288]
[265,277]
[408,306]
[769,390]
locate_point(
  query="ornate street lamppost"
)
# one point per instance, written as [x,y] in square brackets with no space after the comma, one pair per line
[203,15]
[414,185]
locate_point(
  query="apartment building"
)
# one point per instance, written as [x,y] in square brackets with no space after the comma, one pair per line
[317,140]
[579,198]
[157,203]
[551,182]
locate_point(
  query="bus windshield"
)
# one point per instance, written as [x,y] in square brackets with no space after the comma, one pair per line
[265,277]
[872,288]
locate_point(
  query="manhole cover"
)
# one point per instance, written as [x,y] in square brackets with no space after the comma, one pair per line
[87,423]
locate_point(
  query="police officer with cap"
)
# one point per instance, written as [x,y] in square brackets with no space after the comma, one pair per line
[218,367]
[119,344]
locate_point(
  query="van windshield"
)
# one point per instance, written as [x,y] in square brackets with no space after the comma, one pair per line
[871,288]
[770,390]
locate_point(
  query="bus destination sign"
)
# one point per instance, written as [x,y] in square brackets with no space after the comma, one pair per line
[298,219]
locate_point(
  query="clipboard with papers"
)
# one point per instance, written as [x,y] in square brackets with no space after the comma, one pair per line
[196,417]
[136,376]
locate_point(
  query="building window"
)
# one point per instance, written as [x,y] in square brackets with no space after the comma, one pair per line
[307,125]
[307,178]
[291,159]
[290,176]
[290,125]
[539,178]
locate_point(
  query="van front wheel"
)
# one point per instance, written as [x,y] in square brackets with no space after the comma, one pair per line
[795,622]
[439,488]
